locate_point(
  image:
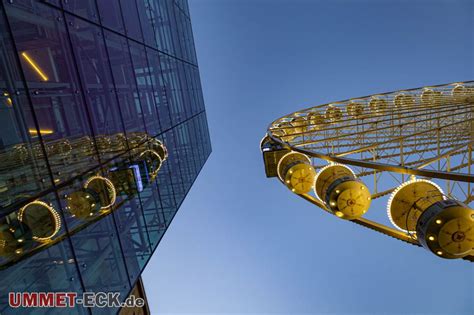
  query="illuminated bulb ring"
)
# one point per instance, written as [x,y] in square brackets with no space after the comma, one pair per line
[154,153]
[159,143]
[325,168]
[52,211]
[110,186]
[283,157]
[394,193]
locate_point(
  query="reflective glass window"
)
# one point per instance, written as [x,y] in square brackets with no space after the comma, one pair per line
[133,236]
[159,89]
[170,87]
[131,19]
[176,48]
[147,22]
[94,69]
[125,83]
[52,270]
[174,164]
[84,8]
[49,69]
[163,30]
[143,74]
[168,177]
[111,15]
[100,258]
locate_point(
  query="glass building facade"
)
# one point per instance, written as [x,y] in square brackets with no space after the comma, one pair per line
[103,132]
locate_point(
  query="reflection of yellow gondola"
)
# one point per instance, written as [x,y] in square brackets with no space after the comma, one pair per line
[15,238]
[41,218]
[160,149]
[83,203]
[62,148]
[153,162]
[104,188]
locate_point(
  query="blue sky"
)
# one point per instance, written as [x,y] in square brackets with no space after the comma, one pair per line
[242,243]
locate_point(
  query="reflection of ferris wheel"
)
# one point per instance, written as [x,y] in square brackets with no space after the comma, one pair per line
[409,151]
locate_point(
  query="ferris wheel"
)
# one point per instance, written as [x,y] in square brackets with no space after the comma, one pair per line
[408,151]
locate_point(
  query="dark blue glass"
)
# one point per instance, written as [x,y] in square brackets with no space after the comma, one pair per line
[50,72]
[52,270]
[84,8]
[174,164]
[147,20]
[111,15]
[125,83]
[153,210]
[170,87]
[131,19]
[94,70]
[100,258]
[80,99]
[159,89]
[133,236]
[143,74]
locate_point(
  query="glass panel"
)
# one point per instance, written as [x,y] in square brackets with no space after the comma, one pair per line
[23,171]
[180,31]
[29,230]
[147,23]
[191,43]
[52,270]
[173,163]
[100,258]
[49,69]
[153,211]
[133,236]
[132,27]
[94,69]
[164,186]
[170,88]
[176,50]
[157,82]
[56,3]
[111,15]
[124,77]
[156,21]
[200,97]
[163,26]
[143,74]
[191,88]
[84,8]
[182,88]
